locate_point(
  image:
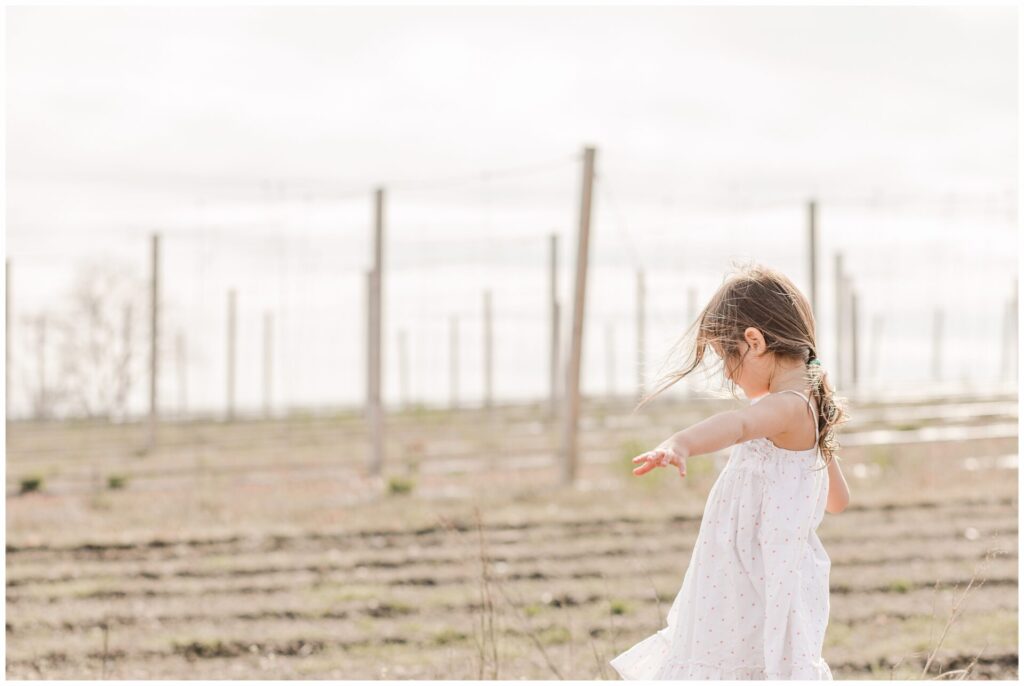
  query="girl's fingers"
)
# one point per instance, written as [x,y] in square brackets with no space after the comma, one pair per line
[647,457]
[652,459]
[643,469]
[658,458]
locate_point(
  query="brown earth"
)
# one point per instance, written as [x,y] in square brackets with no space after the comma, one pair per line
[261,550]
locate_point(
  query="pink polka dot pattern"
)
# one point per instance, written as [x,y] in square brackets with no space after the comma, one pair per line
[757,542]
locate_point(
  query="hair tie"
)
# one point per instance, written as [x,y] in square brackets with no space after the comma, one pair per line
[815,361]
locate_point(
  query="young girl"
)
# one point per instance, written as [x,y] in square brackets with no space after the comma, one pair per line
[754,602]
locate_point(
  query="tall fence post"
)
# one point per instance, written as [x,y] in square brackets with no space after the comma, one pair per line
[572,384]
[154,341]
[840,288]
[376,409]
[812,241]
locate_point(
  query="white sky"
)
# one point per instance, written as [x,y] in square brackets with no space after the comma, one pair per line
[769,98]
[124,121]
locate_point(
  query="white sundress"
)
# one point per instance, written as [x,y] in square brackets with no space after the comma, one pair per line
[754,602]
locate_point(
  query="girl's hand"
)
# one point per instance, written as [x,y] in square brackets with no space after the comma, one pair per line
[662,456]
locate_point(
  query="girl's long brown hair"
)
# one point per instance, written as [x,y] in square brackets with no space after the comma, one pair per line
[764,298]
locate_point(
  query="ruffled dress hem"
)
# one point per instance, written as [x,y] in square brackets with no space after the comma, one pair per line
[704,671]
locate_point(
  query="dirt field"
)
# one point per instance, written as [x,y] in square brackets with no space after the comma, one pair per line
[260,550]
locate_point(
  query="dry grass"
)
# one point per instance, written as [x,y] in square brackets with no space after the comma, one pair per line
[955,612]
[494,574]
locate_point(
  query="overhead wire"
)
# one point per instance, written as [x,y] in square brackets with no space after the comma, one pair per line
[882,202]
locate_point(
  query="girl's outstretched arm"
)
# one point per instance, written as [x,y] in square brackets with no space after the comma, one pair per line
[770,416]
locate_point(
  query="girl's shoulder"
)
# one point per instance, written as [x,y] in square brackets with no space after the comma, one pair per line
[804,394]
[795,432]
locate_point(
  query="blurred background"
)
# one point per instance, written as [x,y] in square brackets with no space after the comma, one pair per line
[290,295]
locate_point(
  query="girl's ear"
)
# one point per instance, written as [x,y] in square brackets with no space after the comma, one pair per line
[755,339]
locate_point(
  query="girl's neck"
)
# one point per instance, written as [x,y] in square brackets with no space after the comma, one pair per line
[791,379]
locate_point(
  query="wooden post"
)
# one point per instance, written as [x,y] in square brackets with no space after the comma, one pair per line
[572,385]
[268,361]
[403,371]
[641,334]
[812,229]
[375,409]
[154,341]
[182,375]
[488,353]
[555,319]
[232,314]
[453,362]
[7,340]
[840,286]
[937,335]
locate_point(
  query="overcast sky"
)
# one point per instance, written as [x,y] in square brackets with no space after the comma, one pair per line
[772,99]
[125,121]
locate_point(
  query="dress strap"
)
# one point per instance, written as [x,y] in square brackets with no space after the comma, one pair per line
[810,405]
